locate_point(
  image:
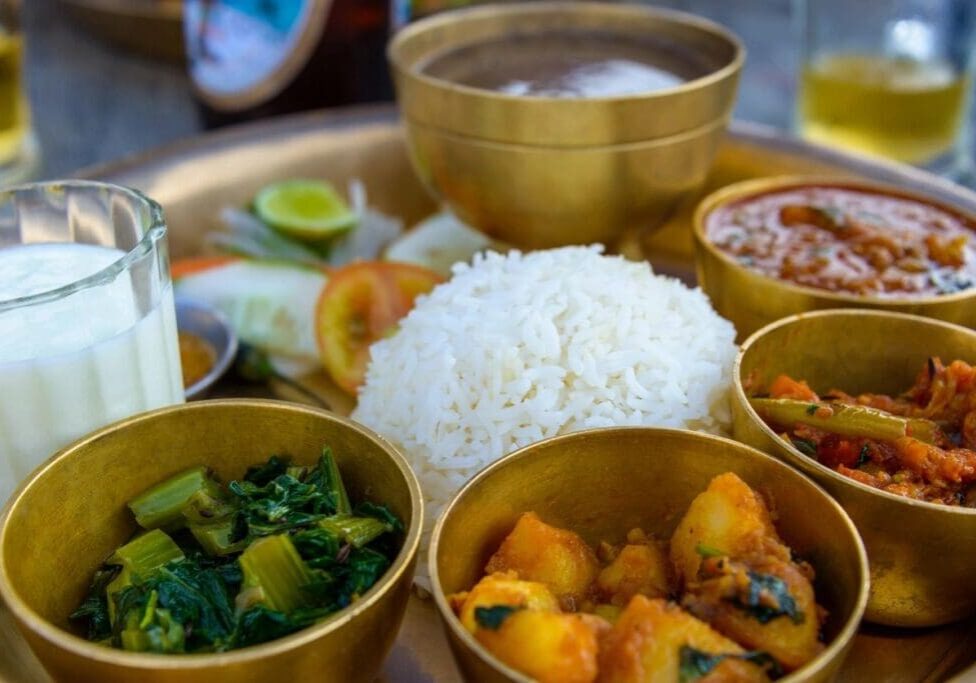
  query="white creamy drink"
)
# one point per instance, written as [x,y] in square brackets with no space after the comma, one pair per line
[80,362]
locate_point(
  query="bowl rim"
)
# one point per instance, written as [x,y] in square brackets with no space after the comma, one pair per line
[805,462]
[451,622]
[29,620]
[748,189]
[717,31]
[153,224]
[691,135]
[225,355]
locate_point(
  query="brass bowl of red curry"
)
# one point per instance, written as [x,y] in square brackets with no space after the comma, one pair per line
[773,247]
[922,554]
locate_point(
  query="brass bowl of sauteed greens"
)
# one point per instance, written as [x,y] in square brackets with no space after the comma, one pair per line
[882,425]
[551,593]
[773,247]
[176,542]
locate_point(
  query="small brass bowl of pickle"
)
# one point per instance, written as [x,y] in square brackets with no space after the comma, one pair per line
[601,487]
[773,247]
[883,381]
[73,514]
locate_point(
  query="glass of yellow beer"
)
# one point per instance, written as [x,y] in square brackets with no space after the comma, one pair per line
[18,152]
[888,77]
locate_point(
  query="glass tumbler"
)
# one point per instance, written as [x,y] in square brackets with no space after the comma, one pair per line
[87,323]
[888,77]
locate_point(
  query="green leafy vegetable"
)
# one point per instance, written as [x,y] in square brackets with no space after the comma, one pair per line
[93,611]
[280,549]
[694,664]
[769,597]
[708,551]
[804,446]
[863,456]
[493,617]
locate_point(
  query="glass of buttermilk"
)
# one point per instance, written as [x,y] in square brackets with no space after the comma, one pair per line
[87,324]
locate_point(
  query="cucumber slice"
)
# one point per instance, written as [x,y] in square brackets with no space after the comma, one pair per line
[438,243]
[271,305]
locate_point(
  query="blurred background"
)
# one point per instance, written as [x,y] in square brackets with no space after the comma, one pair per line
[101,89]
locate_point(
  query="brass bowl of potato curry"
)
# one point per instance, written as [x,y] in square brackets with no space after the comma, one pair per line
[598,488]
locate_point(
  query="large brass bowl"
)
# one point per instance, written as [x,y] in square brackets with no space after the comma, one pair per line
[604,482]
[71,514]
[751,300]
[539,171]
[922,555]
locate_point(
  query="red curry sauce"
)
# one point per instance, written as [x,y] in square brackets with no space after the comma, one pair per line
[849,241]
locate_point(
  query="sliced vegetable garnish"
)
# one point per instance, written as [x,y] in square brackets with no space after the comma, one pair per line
[305,209]
[270,304]
[361,304]
[844,419]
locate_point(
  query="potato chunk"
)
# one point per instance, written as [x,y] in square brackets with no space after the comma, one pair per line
[653,641]
[728,518]
[556,648]
[765,605]
[502,588]
[556,557]
[638,569]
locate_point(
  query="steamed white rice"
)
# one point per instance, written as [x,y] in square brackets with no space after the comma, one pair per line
[516,348]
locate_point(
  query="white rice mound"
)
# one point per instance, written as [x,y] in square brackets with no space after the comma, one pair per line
[520,347]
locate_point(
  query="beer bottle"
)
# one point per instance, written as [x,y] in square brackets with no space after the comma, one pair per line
[249,59]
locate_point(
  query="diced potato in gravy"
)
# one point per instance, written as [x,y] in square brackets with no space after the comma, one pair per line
[765,605]
[637,569]
[502,588]
[727,519]
[549,647]
[556,557]
[653,641]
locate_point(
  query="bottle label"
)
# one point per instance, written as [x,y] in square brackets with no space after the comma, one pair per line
[242,52]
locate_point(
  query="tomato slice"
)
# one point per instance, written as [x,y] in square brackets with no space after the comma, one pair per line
[188,266]
[361,304]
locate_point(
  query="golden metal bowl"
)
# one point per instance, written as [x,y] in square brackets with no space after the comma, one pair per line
[71,514]
[751,300]
[922,555]
[602,483]
[546,171]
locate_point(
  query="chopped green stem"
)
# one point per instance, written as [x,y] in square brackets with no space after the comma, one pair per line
[273,565]
[356,531]
[161,507]
[846,420]
[333,481]
[217,538]
[146,553]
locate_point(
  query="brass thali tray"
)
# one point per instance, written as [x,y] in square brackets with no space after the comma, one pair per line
[195,179]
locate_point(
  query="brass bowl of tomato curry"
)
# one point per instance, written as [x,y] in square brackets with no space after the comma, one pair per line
[591,491]
[774,247]
[71,514]
[888,438]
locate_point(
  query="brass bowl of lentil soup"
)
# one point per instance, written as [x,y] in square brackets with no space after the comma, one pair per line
[867,245]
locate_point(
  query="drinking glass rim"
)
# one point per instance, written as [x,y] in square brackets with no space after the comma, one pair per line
[155,231]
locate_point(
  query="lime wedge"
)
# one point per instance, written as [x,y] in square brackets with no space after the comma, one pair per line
[309,210]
